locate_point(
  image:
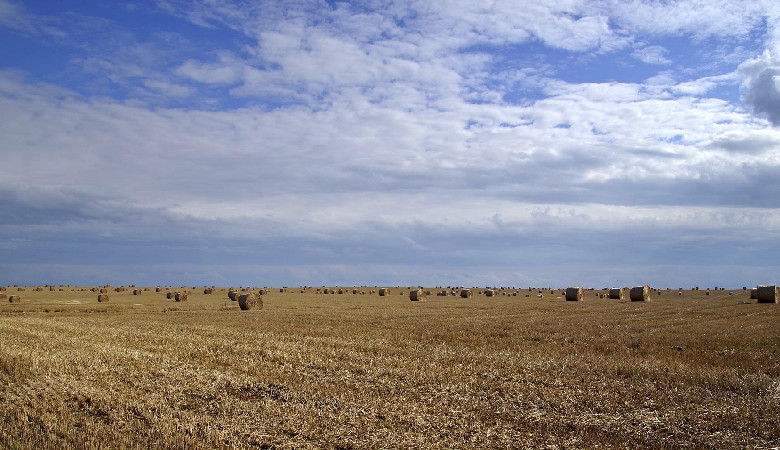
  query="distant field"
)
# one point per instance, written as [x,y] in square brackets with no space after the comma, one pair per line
[344,370]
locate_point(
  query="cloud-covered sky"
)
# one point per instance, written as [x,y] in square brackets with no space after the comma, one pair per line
[509,143]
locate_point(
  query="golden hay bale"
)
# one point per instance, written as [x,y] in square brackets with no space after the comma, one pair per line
[249,301]
[102,298]
[640,293]
[14,299]
[466,293]
[417,295]
[233,295]
[489,292]
[157,289]
[169,295]
[180,297]
[52,288]
[262,291]
[207,291]
[354,291]
[94,289]
[383,292]
[767,294]
[617,293]
[326,291]
[137,292]
[574,294]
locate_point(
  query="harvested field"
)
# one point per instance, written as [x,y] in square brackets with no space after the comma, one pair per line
[370,371]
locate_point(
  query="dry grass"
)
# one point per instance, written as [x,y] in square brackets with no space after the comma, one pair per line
[366,371]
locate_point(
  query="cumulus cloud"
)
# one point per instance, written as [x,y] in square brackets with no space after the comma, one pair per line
[761,80]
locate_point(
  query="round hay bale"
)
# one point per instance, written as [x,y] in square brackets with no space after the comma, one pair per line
[157,289]
[14,299]
[466,293]
[767,294]
[617,293]
[417,295]
[574,294]
[249,301]
[180,297]
[489,292]
[640,293]
[341,291]
[354,291]
[233,295]
[137,292]
[169,295]
[102,298]
[94,289]
[383,292]
[207,291]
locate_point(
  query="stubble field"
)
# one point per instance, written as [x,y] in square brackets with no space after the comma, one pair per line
[344,370]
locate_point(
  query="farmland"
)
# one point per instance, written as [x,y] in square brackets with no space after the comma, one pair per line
[345,370]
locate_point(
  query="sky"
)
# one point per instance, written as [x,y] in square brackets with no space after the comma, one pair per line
[390,142]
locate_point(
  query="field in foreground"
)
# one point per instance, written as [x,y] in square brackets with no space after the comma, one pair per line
[312,370]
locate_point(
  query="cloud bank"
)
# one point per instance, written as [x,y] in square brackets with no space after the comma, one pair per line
[398,142]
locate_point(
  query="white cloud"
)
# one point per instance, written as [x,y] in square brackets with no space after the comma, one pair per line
[385,129]
[701,18]
[761,80]
[652,54]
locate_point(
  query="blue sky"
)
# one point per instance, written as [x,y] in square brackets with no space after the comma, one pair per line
[593,143]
